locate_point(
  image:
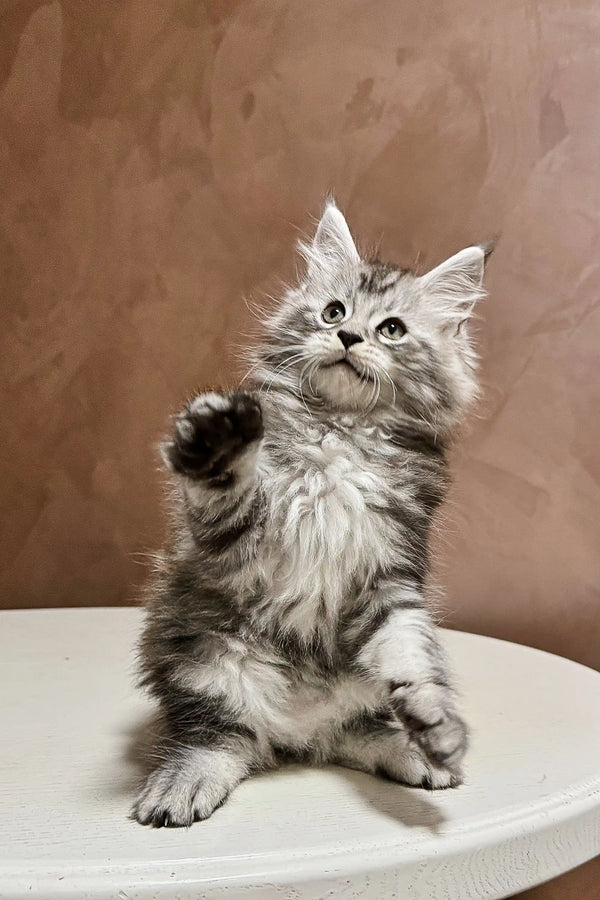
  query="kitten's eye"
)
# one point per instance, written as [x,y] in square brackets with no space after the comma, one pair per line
[392,329]
[334,313]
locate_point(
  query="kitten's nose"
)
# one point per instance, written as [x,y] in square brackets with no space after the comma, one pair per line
[348,339]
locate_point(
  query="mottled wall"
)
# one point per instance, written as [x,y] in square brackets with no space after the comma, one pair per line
[157,161]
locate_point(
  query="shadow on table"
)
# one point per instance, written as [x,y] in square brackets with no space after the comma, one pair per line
[136,760]
[412,807]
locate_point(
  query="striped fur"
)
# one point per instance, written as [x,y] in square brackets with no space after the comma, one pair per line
[290,616]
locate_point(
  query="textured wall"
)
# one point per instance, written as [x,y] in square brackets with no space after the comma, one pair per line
[157,160]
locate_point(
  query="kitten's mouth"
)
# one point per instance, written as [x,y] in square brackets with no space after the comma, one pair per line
[344,361]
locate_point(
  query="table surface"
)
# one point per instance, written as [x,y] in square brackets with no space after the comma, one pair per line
[72,719]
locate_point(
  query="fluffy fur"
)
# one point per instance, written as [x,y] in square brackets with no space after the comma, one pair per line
[290,616]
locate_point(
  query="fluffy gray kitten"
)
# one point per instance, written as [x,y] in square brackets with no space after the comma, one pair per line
[290,617]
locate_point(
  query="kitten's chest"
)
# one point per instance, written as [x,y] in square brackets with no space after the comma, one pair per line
[326,523]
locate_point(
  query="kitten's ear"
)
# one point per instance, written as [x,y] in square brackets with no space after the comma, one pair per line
[457,284]
[332,248]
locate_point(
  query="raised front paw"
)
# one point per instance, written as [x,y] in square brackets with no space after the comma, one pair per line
[427,712]
[211,431]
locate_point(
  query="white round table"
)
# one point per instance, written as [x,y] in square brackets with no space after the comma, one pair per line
[70,718]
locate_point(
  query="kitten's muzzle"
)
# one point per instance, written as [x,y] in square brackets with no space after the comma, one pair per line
[345,361]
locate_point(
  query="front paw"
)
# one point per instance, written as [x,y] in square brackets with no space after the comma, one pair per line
[174,799]
[413,768]
[427,712]
[211,432]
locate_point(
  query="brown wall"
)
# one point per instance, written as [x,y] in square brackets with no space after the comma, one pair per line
[158,159]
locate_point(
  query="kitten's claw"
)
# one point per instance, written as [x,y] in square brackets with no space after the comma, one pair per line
[415,770]
[211,431]
[174,800]
[428,715]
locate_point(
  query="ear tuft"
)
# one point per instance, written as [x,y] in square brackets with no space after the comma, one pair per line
[332,248]
[489,247]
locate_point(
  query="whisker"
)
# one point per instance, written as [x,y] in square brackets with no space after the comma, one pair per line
[312,366]
[282,368]
[393,386]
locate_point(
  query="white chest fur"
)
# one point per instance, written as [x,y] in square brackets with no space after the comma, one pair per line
[324,529]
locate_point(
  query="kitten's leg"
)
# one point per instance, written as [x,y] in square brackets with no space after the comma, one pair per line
[388,750]
[189,786]
[405,655]
[214,449]
[206,751]
[206,754]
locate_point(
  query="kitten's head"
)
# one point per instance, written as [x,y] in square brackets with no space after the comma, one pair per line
[365,336]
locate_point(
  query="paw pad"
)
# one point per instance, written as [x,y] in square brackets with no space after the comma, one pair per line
[211,431]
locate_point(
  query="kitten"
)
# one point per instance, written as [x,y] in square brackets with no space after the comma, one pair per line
[290,617]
